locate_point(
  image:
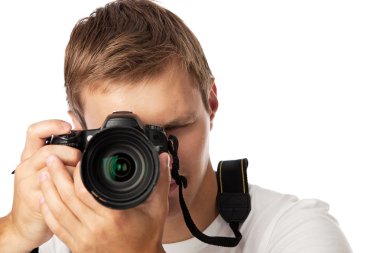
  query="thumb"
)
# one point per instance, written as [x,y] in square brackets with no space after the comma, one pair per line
[159,196]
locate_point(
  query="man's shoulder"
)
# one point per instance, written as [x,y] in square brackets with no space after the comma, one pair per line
[264,200]
[279,220]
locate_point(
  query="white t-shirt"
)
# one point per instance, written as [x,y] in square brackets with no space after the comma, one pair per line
[278,223]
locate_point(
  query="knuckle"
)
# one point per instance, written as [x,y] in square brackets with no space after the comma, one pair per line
[76,155]
[93,228]
[97,230]
[45,151]
[31,130]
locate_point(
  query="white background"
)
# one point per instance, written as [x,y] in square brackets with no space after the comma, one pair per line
[298,84]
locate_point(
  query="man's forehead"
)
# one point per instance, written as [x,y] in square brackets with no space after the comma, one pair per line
[159,103]
[166,120]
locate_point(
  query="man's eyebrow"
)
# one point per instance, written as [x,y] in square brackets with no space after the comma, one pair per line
[180,121]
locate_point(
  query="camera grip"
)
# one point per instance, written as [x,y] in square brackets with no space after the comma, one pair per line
[73,139]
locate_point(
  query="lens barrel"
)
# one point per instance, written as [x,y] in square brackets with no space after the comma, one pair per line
[120,167]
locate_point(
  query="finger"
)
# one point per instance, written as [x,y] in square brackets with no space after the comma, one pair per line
[29,190]
[70,170]
[65,186]
[53,224]
[85,196]
[69,156]
[160,193]
[38,132]
[57,208]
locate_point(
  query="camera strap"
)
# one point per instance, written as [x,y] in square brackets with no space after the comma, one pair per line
[233,200]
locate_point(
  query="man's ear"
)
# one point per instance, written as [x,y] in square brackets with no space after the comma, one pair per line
[213,103]
[75,120]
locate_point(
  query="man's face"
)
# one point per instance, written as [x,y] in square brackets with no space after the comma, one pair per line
[172,102]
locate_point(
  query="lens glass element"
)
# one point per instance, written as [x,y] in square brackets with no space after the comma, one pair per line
[119,167]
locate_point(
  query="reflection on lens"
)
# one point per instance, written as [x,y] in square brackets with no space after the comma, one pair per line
[119,167]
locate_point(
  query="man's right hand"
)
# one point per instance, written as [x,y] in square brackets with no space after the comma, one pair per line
[24,228]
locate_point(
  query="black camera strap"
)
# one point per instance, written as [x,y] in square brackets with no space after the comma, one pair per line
[233,200]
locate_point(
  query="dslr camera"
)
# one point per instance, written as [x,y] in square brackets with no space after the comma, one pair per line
[120,163]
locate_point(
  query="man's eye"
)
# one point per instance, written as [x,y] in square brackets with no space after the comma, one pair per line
[171,128]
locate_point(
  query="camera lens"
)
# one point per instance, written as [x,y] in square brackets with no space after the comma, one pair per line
[119,167]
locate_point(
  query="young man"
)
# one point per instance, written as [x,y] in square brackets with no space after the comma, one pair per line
[136,56]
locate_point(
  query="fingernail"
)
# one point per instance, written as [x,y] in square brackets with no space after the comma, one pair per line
[43,176]
[168,161]
[66,126]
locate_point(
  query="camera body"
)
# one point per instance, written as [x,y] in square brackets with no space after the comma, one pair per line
[120,163]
